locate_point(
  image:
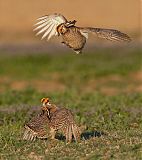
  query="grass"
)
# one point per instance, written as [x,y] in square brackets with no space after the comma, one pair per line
[103,89]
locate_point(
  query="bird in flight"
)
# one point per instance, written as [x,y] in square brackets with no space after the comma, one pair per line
[73,36]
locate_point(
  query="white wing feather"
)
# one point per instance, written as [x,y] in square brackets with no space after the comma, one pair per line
[85,34]
[40,22]
[48,25]
[52,33]
[43,17]
[40,26]
[44,29]
[48,31]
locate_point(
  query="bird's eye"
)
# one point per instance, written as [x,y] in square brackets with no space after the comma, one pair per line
[49,103]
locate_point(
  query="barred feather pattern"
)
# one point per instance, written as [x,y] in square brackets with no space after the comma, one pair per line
[109,34]
[74,39]
[37,127]
[63,120]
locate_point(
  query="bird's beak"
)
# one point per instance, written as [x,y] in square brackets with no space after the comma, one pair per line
[70,23]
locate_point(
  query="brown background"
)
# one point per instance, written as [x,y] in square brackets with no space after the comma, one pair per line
[18,16]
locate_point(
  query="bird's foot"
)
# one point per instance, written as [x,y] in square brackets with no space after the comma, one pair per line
[77,51]
[63,42]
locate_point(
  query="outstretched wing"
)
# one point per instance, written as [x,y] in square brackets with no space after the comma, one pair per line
[36,128]
[47,25]
[109,34]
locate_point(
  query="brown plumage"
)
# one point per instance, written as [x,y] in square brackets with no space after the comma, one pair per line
[37,127]
[73,36]
[74,39]
[49,121]
[61,119]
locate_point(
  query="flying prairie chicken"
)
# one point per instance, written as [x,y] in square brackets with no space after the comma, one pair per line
[73,36]
[61,119]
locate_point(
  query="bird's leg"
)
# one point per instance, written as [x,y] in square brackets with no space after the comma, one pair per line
[76,132]
[77,51]
[52,133]
[63,42]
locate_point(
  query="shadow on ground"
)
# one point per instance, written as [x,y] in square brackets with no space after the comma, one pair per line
[84,136]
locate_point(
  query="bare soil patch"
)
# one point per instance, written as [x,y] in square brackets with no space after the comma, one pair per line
[109,85]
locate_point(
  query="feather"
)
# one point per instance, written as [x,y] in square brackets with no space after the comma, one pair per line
[41,18]
[40,26]
[74,132]
[109,34]
[52,32]
[49,24]
[40,22]
[48,30]
[70,133]
[85,34]
[47,27]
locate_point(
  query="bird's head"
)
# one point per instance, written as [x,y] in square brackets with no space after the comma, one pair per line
[47,107]
[45,103]
[62,29]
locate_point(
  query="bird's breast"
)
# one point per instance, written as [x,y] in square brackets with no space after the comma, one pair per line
[74,39]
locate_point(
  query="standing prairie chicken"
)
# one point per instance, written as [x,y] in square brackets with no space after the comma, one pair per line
[49,121]
[73,36]
[61,119]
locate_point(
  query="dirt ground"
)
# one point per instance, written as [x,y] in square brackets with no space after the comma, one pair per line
[101,84]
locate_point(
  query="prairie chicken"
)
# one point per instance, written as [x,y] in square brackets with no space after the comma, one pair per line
[37,127]
[73,36]
[61,119]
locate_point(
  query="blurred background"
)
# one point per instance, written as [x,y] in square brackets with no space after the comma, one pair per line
[17,17]
[24,57]
[102,86]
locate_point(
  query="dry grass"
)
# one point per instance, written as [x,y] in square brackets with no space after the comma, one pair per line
[81,83]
